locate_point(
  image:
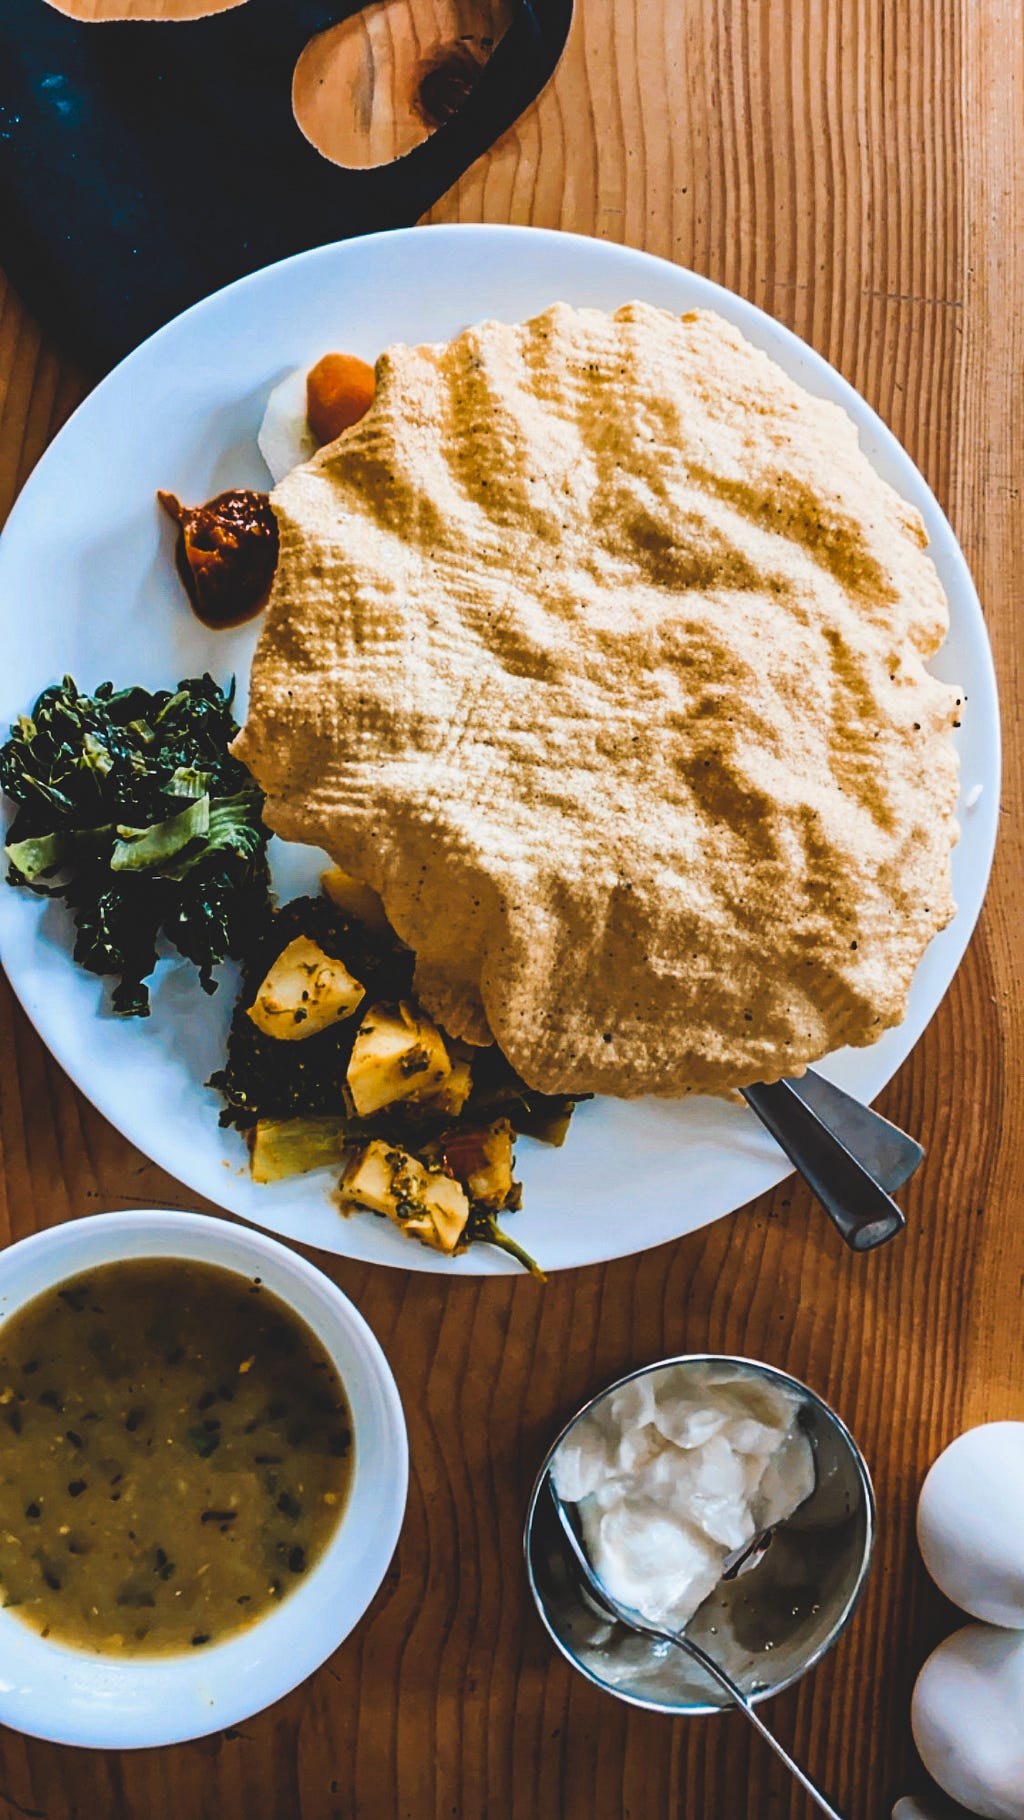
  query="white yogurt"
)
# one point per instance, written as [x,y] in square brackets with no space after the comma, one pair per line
[675,1472]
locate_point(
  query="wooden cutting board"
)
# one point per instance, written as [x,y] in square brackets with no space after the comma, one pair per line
[145,163]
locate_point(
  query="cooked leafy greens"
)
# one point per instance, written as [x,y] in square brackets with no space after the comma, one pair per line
[483,1228]
[133,811]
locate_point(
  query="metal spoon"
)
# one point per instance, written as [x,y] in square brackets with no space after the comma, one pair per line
[850,1157]
[741,1560]
[623,1614]
[891,1155]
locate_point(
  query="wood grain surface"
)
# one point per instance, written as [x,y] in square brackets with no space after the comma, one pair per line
[355,91]
[857,168]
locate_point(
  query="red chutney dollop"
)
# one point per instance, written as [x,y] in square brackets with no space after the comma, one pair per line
[226,554]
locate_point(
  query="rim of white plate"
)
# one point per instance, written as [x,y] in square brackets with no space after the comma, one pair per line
[751,1165]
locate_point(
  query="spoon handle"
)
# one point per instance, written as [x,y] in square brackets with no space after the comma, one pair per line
[858,1206]
[681,1640]
[728,1686]
[891,1155]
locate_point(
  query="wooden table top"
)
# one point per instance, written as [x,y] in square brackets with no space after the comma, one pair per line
[856,167]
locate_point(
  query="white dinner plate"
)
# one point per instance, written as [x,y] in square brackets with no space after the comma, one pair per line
[88,587]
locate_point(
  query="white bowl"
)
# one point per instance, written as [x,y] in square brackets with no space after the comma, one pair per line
[72,1697]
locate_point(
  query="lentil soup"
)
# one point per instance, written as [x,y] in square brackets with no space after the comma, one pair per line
[175,1453]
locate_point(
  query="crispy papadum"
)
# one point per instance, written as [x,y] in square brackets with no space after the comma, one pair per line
[597,648]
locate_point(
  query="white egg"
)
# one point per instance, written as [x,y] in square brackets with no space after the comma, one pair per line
[969,1522]
[968,1720]
[285,438]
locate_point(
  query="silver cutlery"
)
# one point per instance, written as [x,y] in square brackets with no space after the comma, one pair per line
[850,1157]
[632,1620]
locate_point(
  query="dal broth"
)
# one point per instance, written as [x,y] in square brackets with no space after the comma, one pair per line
[175,1453]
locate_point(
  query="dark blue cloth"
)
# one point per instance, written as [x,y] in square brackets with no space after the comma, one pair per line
[144,165]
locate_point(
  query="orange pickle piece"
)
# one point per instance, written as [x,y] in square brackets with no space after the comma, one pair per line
[339,391]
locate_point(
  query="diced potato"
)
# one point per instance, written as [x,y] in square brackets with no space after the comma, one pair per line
[369,1178]
[284,1147]
[444,1216]
[424,1203]
[359,900]
[449,1100]
[481,1158]
[305,992]
[398,1054]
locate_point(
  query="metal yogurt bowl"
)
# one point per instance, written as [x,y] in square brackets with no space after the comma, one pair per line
[768,1626]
